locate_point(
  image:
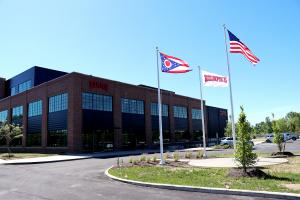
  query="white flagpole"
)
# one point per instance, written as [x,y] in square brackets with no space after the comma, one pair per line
[202,113]
[231,101]
[159,113]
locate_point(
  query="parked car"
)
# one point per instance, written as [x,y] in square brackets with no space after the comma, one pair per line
[229,141]
[286,137]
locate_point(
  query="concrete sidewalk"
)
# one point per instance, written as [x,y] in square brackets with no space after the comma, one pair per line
[230,162]
[59,158]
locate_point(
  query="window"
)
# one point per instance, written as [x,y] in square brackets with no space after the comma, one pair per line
[57,138]
[96,102]
[196,114]
[154,110]
[35,108]
[132,106]
[21,87]
[3,116]
[17,115]
[13,91]
[180,112]
[58,103]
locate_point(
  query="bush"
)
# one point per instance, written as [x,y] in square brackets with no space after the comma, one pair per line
[131,160]
[188,155]
[154,159]
[143,158]
[199,154]
[176,156]
[148,160]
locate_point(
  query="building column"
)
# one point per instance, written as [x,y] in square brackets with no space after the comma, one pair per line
[148,122]
[45,108]
[172,125]
[75,115]
[190,122]
[117,119]
[25,121]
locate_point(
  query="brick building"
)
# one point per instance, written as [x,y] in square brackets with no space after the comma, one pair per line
[73,112]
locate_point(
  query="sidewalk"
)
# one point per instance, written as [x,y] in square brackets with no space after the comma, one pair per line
[69,157]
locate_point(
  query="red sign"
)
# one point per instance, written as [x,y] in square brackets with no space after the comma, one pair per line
[98,85]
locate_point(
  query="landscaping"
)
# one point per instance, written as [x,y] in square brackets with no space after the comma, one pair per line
[276,178]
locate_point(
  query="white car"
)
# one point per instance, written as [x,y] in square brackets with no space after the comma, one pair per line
[286,137]
[229,141]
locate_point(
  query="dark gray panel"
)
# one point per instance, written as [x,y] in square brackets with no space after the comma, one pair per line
[58,120]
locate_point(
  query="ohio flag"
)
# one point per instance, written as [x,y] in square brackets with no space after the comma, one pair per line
[170,64]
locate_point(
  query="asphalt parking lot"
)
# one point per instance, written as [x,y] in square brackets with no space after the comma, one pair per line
[85,179]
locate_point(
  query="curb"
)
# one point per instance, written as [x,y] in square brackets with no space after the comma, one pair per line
[264,194]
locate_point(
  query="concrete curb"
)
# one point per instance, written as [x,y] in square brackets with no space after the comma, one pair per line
[264,194]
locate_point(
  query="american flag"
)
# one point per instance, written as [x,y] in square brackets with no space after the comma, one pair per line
[236,46]
[171,64]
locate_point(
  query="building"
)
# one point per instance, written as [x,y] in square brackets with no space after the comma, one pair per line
[74,112]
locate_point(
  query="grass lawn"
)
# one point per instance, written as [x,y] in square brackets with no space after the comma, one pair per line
[4,156]
[281,175]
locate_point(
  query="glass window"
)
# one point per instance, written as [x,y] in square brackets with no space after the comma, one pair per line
[35,108]
[180,112]
[58,103]
[58,138]
[3,116]
[196,114]
[132,106]
[96,102]
[17,115]
[164,112]
[13,91]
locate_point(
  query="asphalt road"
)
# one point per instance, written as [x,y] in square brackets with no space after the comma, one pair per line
[82,180]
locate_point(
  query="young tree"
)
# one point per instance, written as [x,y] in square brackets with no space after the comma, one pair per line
[243,153]
[279,127]
[228,129]
[10,132]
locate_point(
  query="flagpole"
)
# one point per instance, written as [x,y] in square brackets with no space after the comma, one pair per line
[202,113]
[162,162]
[230,89]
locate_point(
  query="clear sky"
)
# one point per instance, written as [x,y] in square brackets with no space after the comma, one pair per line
[116,39]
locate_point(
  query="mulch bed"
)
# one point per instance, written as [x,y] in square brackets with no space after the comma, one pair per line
[252,172]
[285,153]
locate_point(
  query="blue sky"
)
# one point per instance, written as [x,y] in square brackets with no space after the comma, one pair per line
[116,39]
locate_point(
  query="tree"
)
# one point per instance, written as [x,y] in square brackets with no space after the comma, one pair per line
[279,127]
[228,129]
[267,127]
[243,153]
[10,132]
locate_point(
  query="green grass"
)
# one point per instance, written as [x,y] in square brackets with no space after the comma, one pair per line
[206,177]
[4,156]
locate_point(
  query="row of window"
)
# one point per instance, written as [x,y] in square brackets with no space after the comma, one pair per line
[96,102]
[21,88]
[132,106]
[58,103]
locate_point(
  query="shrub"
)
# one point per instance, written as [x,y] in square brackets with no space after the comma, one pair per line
[176,156]
[131,160]
[154,159]
[148,159]
[199,154]
[188,155]
[143,158]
